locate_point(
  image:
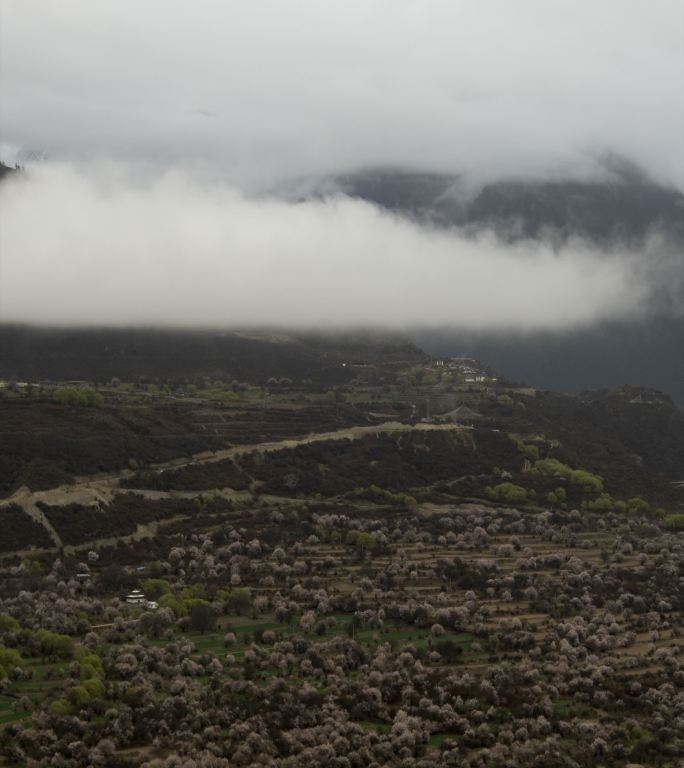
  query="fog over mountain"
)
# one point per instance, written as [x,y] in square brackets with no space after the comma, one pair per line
[495,177]
[111,249]
[619,205]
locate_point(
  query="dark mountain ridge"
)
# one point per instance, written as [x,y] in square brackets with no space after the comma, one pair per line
[5,170]
[99,354]
[647,352]
[623,207]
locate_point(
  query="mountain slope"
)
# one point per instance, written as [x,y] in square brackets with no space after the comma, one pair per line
[623,207]
[128,353]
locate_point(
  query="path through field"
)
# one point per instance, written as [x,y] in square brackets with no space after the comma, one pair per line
[99,490]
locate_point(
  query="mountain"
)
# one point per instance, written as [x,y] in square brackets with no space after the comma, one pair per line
[622,207]
[5,170]
[605,213]
[100,354]
[648,352]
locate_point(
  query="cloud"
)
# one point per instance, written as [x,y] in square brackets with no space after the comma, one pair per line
[260,91]
[102,247]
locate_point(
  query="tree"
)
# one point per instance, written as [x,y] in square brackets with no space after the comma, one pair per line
[359,539]
[238,601]
[202,618]
[153,624]
[85,397]
[8,624]
[9,660]
[115,578]
[60,708]
[509,493]
[155,588]
[55,645]
[79,696]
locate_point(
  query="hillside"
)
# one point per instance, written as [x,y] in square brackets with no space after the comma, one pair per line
[624,207]
[632,437]
[250,562]
[157,354]
[5,170]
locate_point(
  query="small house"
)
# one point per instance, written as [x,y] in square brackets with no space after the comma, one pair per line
[136,597]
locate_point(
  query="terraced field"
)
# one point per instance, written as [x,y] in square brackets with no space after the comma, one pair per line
[381,594]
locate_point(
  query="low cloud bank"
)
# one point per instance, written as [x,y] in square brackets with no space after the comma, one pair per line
[99,247]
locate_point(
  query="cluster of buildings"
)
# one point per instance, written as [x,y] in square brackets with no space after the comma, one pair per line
[468,368]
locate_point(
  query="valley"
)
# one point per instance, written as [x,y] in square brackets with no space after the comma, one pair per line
[330,574]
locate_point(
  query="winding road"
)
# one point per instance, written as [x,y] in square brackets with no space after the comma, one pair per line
[99,489]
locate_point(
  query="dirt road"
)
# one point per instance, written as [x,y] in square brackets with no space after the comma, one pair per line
[98,490]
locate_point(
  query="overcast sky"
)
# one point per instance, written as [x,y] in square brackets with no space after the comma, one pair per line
[160,117]
[259,90]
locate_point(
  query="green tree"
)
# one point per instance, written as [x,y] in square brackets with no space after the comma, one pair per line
[508,493]
[175,604]
[55,645]
[155,588]
[8,624]
[238,601]
[359,539]
[79,696]
[94,687]
[604,503]
[85,397]
[202,618]
[637,506]
[9,660]
[586,481]
[60,708]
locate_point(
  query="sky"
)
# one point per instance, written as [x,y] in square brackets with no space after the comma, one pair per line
[258,90]
[161,119]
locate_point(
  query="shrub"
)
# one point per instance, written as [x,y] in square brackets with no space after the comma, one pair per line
[60,708]
[638,506]
[383,496]
[552,467]
[586,481]
[94,687]
[85,397]
[55,645]
[528,450]
[509,493]
[9,660]
[604,503]
[578,477]
[359,539]
[559,496]
[155,588]
[79,696]
[175,604]
[8,623]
